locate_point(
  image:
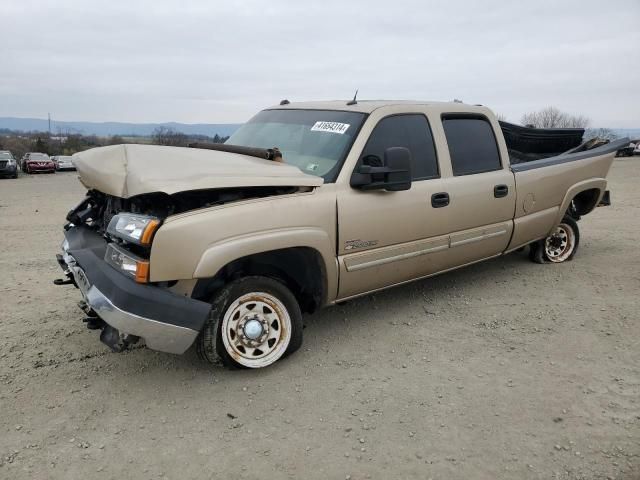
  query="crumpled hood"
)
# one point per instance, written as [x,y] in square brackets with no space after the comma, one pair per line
[129,170]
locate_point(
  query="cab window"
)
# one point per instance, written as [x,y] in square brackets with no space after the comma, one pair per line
[411,131]
[472,144]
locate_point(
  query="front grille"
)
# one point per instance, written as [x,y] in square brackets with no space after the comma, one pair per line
[3,163]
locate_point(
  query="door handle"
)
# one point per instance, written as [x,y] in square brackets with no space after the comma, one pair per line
[439,200]
[500,191]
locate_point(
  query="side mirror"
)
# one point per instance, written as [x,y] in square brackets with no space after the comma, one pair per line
[393,175]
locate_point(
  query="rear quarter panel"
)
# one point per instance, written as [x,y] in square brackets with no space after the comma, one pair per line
[544,194]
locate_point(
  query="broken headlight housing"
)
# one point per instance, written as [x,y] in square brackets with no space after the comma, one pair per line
[134,228]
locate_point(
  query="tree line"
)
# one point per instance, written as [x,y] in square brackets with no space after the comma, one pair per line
[20,143]
[552,117]
[173,138]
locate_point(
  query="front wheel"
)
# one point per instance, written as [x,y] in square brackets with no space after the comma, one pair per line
[254,322]
[558,247]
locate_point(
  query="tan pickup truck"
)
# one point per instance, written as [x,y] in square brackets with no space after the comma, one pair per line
[310,204]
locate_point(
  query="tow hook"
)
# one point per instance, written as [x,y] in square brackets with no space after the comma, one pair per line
[86,308]
[116,341]
[94,323]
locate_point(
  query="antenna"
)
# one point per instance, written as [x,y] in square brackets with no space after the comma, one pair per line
[354,101]
[284,102]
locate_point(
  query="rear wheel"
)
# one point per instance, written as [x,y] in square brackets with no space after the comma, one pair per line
[558,247]
[254,322]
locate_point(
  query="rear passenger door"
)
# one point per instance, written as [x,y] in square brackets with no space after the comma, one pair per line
[481,190]
[385,237]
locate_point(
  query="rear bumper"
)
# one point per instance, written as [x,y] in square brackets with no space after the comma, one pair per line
[166,321]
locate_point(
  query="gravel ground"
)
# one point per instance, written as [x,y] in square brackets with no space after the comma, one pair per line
[505,369]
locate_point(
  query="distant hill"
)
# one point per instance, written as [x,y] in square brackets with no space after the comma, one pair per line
[104,129]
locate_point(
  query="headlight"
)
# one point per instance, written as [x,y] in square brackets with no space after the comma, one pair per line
[127,263]
[11,161]
[138,229]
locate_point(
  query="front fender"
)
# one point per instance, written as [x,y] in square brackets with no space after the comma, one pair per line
[222,253]
[198,244]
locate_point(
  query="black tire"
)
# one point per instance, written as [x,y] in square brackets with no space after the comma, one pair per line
[210,345]
[539,253]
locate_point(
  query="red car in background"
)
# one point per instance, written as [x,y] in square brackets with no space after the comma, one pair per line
[33,162]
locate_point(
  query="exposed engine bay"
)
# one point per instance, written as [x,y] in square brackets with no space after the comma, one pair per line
[97,209]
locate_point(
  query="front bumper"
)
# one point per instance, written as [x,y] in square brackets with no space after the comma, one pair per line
[40,168]
[166,321]
[8,170]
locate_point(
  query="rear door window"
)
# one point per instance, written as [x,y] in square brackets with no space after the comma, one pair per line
[472,144]
[411,131]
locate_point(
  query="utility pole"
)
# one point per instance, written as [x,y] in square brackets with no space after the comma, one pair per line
[49,116]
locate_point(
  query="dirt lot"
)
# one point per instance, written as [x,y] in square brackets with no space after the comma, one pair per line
[506,369]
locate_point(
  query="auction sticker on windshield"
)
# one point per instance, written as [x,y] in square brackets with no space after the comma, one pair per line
[332,127]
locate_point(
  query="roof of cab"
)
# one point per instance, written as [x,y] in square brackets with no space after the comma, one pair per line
[362,106]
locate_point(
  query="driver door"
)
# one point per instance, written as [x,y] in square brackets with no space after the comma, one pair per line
[385,237]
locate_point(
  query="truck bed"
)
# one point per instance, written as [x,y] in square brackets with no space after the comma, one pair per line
[526,144]
[568,156]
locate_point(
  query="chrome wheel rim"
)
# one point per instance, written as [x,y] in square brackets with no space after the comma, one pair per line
[256,330]
[560,244]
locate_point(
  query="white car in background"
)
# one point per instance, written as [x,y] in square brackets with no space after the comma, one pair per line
[63,162]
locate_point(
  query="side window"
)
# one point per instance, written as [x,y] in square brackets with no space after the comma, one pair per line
[409,131]
[472,144]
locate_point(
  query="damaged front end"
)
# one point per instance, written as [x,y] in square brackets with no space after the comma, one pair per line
[106,255]
[131,191]
[122,307]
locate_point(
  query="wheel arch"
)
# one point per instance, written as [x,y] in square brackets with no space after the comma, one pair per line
[302,266]
[581,198]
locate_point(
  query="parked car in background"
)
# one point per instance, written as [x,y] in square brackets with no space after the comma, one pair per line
[8,165]
[627,150]
[63,162]
[636,151]
[25,157]
[33,162]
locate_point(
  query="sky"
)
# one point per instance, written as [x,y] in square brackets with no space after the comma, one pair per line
[222,61]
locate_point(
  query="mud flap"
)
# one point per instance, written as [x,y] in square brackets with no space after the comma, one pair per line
[606,199]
